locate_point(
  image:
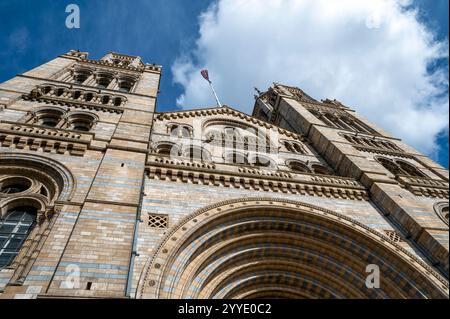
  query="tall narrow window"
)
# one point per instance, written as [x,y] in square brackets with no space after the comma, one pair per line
[236,158]
[14,230]
[197,153]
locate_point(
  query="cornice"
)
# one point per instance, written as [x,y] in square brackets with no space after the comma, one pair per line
[207,174]
[145,67]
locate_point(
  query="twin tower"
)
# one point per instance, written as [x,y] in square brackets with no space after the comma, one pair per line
[102,196]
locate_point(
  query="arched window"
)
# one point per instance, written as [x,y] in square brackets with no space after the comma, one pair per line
[389,165]
[400,167]
[299,167]
[125,84]
[167,149]
[185,132]
[294,147]
[320,169]
[79,75]
[15,227]
[174,131]
[49,117]
[441,210]
[180,131]
[81,121]
[288,146]
[409,169]
[29,187]
[80,78]
[103,80]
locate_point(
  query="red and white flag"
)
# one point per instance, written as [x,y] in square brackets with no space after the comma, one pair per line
[205,74]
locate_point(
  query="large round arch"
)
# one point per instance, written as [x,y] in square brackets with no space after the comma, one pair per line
[57,173]
[262,247]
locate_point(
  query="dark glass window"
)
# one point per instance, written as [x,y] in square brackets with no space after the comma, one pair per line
[80,128]
[14,185]
[49,121]
[15,188]
[14,230]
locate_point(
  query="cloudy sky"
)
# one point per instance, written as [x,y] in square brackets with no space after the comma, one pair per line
[386,59]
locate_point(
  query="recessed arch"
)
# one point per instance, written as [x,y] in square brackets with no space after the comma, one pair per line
[441,210]
[61,176]
[246,248]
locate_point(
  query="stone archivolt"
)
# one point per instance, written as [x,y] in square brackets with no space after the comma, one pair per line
[257,247]
[441,210]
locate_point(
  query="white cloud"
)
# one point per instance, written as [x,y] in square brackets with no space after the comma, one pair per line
[371,55]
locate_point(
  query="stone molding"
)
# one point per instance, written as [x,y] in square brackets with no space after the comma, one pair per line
[323,186]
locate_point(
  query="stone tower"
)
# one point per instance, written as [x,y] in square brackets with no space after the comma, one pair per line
[101,196]
[74,135]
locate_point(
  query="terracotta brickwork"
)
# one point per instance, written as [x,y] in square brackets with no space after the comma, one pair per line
[125,202]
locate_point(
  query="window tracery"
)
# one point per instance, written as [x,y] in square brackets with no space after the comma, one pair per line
[364,141]
[400,167]
[59,118]
[179,130]
[294,147]
[341,120]
[301,167]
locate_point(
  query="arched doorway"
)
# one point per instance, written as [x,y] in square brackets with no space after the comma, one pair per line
[271,248]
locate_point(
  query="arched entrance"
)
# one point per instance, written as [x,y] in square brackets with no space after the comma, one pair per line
[272,248]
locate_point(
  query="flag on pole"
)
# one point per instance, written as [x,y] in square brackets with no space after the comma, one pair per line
[205,74]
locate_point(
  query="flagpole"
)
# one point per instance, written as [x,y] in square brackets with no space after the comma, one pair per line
[205,75]
[215,95]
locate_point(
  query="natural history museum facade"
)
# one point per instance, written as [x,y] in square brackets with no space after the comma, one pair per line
[103,197]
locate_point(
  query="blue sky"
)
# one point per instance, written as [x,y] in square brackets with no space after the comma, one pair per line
[170,33]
